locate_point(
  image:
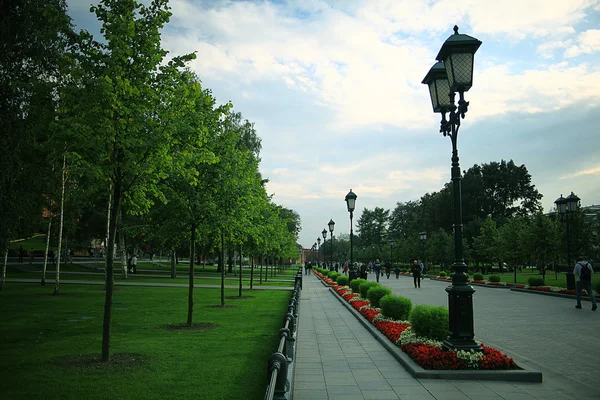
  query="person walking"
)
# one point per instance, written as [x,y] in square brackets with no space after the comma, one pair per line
[21,253]
[134,264]
[397,271]
[31,256]
[388,269]
[583,271]
[377,269]
[416,270]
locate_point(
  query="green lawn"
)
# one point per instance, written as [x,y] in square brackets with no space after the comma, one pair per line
[47,342]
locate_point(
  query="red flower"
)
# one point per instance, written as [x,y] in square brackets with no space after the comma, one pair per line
[391,329]
[495,360]
[432,357]
[349,295]
[358,304]
[368,312]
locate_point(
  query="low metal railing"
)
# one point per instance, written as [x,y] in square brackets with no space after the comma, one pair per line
[281,362]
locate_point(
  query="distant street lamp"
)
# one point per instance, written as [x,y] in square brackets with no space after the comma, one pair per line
[331,225]
[454,73]
[319,249]
[423,239]
[391,242]
[324,234]
[350,203]
[567,207]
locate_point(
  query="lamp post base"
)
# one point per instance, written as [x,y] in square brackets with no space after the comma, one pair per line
[352,275]
[460,310]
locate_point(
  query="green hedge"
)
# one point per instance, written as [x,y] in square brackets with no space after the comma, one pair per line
[395,307]
[333,275]
[429,321]
[535,281]
[494,278]
[442,273]
[478,276]
[365,286]
[342,280]
[376,293]
[355,283]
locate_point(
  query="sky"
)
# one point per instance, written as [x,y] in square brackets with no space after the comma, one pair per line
[334,89]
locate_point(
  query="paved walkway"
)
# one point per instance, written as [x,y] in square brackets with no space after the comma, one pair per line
[337,358]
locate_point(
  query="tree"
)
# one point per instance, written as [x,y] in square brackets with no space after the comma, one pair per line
[33,38]
[126,102]
[511,242]
[372,227]
[486,245]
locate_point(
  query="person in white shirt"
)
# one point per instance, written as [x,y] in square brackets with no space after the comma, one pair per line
[583,272]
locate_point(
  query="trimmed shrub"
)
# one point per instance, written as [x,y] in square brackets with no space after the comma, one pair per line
[376,293]
[403,270]
[342,280]
[494,278]
[333,275]
[478,276]
[395,307]
[355,283]
[429,321]
[535,281]
[442,273]
[365,286]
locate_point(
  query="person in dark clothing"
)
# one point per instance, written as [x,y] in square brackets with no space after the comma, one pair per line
[416,270]
[21,254]
[388,269]
[377,269]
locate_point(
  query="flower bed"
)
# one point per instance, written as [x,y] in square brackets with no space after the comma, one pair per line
[428,353]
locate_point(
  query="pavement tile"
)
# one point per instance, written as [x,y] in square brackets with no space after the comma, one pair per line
[379,395]
[344,389]
[307,394]
[309,385]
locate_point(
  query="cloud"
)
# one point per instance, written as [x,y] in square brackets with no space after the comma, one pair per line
[588,42]
[546,49]
[584,172]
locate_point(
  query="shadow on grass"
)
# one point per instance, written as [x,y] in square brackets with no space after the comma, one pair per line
[198,326]
[117,361]
[238,297]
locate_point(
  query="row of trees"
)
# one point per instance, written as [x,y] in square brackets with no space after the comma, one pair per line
[120,141]
[503,224]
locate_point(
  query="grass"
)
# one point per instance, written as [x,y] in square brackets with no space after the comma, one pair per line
[157,277]
[49,343]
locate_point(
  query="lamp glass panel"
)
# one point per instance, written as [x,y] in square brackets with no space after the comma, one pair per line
[433,95]
[572,205]
[443,93]
[562,207]
[351,204]
[459,67]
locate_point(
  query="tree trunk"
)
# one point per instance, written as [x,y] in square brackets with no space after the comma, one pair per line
[251,271]
[122,247]
[191,278]
[241,260]
[60,224]
[229,260]
[107,237]
[173,264]
[106,327]
[46,252]
[260,260]
[223,269]
[4,268]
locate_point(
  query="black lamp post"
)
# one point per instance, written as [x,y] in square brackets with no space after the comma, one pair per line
[318,250]
[331,225]
[567,207]
[391,242]
[324,234]
[454,73]
[423,239]
[350,203]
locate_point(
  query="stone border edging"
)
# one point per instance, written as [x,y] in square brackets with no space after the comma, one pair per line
[419,372]
[554,294]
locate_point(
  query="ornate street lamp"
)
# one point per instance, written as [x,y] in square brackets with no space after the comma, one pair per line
[567,207]
[423,239]
[318,249]
[324,234]
[350,203]
[331,225]
[454,73]
[391,242]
